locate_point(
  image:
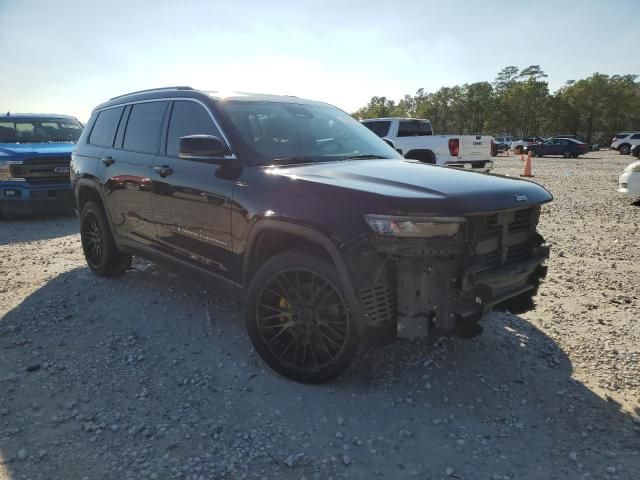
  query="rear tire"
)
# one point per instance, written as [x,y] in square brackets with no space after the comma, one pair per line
[518,150]
[99,248]
[299,319]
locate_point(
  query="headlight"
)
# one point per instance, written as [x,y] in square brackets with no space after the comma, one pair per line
[5,171]
[416,227]
[633,167]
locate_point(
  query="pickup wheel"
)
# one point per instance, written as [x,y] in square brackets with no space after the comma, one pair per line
[299,319]
[98,245]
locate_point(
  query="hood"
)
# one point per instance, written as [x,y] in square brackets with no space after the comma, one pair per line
[35,149]
[417,187]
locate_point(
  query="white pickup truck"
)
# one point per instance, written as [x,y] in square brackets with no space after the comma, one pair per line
[414,138]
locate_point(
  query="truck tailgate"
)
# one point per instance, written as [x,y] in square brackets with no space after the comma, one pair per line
[475,147]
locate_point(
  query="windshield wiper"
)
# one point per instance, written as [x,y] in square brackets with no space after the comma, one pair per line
[286,161]
[364,157]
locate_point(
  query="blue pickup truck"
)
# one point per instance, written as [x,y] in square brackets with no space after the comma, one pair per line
[35,151]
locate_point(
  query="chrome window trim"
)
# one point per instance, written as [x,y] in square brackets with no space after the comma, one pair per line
[164,99]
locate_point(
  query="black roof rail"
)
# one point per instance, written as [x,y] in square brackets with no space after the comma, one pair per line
[181,87]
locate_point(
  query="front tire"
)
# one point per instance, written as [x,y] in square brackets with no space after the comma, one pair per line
[625,149]
[299,319]
[99,248]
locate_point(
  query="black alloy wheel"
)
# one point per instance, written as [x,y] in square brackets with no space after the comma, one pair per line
[92,243]
[299,320]
[100,250]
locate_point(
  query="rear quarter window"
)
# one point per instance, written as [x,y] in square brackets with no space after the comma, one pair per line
[379,128]
[414,129]
[104,130]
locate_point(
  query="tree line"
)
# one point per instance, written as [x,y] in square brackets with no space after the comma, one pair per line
[518,103]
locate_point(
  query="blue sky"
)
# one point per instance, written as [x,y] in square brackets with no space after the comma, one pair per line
[68,56]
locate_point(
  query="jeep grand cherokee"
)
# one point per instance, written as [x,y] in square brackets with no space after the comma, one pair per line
[335,236]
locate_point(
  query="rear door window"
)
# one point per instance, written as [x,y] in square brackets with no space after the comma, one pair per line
[104,130]
[188,118]
[379,128]
[144,127]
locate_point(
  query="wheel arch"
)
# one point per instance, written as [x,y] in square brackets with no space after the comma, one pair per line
[269,237]
[86,190]
[424,155]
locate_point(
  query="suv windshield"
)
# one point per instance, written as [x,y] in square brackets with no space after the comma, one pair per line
[302,133]
[34,130]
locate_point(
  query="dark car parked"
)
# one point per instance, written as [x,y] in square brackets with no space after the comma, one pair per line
[335,236]
[635,151]
[571,136]
[566,147]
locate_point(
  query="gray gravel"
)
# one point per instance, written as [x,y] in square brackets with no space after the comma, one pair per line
[151,375]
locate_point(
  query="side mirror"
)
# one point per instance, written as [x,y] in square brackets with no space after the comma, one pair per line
[201,147]
[390,143]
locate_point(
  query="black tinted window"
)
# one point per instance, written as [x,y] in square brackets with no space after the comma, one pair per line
[379,128]
[635,136]
[188,118]
[414,129]
[105,127]
[621,135]
[144,127]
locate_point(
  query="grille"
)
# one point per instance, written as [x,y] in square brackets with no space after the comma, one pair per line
[491,227]
[379,304]
[502,238]
[40,170]
[519,252]
[521,221]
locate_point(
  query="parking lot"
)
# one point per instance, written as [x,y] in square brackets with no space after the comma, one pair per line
[151,375]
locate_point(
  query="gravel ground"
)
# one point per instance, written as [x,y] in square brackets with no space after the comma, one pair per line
[151,375]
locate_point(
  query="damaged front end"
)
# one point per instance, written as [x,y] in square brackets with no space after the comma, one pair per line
[419,286]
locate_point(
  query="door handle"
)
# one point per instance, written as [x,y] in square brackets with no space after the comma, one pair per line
[108,161]
[164,170]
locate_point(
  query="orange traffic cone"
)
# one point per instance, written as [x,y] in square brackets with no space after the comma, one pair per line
[522,157]
[527,167]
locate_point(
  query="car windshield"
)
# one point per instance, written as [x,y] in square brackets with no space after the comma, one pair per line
[37,130]
[281,131]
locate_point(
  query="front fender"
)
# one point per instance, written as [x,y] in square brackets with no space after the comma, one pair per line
[312,235]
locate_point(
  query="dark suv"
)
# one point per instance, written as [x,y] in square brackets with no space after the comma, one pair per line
[336,237]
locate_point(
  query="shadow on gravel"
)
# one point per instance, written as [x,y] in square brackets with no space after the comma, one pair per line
[36,227]
[151,376]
